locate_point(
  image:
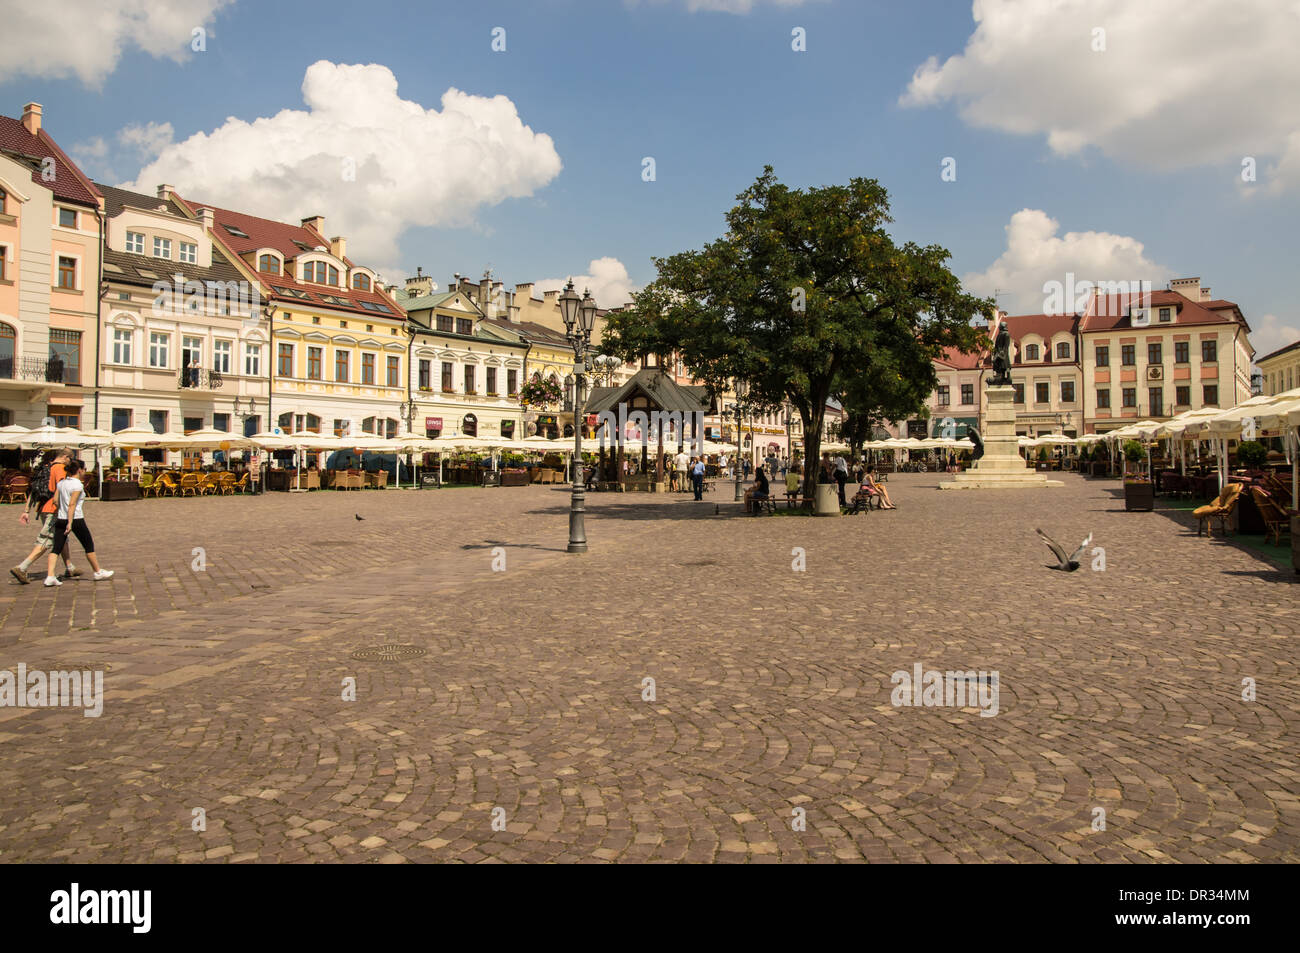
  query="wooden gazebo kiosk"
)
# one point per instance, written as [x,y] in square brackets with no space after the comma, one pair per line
[652,392]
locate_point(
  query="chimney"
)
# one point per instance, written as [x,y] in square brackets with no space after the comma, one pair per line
[524,290]
[421,284]
[316,222]
[339,247]
[165,192]
[209,218]
[32,117]
[1205,295]
[552,297]
[1189,288]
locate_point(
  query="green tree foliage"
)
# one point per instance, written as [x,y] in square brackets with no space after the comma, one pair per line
[806,297]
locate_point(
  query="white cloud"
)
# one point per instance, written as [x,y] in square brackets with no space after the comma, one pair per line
[1269,333]
[1035,254]
[608,280]
[55,39]
[410,166]
[148,140]
[1180,82]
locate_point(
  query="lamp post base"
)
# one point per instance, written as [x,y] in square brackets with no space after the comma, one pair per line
[577,523]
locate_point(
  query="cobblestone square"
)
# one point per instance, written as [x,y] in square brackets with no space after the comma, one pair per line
[1120,689]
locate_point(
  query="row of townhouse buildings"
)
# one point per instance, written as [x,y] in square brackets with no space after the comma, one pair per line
[1124,358]
[121,309]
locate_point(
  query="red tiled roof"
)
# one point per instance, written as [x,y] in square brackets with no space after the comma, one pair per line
[1110,312]
[267,233]
[1043,325]
[69,184]
[958,361]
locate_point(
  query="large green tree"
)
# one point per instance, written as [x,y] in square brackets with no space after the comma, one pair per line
[805,297]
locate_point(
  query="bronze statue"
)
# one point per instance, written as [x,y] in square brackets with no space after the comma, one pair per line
[1001,357]
[973,436]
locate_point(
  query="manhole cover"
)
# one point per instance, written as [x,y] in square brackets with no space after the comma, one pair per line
[389,653]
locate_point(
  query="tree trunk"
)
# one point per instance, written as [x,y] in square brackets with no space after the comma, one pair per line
[812,445]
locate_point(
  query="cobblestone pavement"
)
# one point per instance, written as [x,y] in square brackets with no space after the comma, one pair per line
[1119,689]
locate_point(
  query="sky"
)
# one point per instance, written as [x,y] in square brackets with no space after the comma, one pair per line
[1034,139]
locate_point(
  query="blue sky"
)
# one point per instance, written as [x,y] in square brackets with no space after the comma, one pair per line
[1114,145]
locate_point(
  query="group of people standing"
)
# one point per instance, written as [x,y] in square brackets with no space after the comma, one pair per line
[57,495]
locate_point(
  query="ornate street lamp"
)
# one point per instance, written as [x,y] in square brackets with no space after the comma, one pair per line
[579,319]
[741,388]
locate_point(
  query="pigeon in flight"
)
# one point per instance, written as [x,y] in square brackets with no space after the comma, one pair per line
[1064,563]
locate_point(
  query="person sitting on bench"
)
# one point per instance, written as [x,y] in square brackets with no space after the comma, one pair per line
[870,486]
[760,491]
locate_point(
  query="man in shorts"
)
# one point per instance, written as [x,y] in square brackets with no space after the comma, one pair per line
[45,538]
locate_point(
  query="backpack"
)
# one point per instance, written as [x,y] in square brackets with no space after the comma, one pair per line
[39,490]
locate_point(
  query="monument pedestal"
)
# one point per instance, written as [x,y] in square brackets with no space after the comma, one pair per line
[1001,467]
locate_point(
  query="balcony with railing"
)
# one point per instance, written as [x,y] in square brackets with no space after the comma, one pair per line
[201,378]
[39,370]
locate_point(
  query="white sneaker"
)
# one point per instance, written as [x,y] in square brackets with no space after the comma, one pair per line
[103,574]
[52,581]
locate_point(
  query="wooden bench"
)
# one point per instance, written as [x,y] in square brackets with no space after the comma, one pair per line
[757,506]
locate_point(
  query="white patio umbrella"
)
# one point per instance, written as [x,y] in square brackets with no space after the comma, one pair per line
[9,436]
[50,437]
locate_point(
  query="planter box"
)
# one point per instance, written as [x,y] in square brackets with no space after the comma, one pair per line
[1099,468]
[1139,496]
[121,490]
[514,478]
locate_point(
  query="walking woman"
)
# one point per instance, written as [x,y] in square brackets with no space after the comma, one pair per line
[71,495]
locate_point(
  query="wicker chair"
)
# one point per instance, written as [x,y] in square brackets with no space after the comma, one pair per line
[241,485]
[16,489]
[1276,519]
[225,482]
[1221,509]
[189,484]
[208,483]
[166,483]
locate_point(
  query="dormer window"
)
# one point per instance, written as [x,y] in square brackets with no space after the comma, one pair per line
[135,242]
[1166,314]
[1063,351]
[162,248]
[268,264]
[1031,352]
[361,282]
[236,231]
[320,273]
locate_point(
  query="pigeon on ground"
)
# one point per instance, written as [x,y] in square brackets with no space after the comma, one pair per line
[1065,563]
[359,516]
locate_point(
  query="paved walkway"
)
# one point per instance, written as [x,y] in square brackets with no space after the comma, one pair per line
[1118,689]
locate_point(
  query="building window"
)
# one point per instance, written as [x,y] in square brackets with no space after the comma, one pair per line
[221,422]
[1182,396]
[68,218]
[1128,355]
[944,395]
[1031,352]
[1103,356]
[967,394]
[1166,314]
[122,338]
[284,361]
[1067,392]
[121,419]
[162,247]
[1063,351]
[1130,396]
[65,416]
[158,349]
[67,272]
[192,357]
[191,424]
[367,368]
[1042,392]
[158,421]
[252,360]
[465,326]
[341,361]
[425,383]
[221,351]
[1103,399]
[4,262]
[65,356]
[3,195]
[1209,351]
[135,242]
[268,264]
[1156,398]
[491,381]
[1181,350]
[314,358]
[361,282]
[512,382]
[320,273]
[469,379]
[446,323]
[447,386]
[189,253]
[1020,393]
[1155,353]
[395,371]
[1210,393]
